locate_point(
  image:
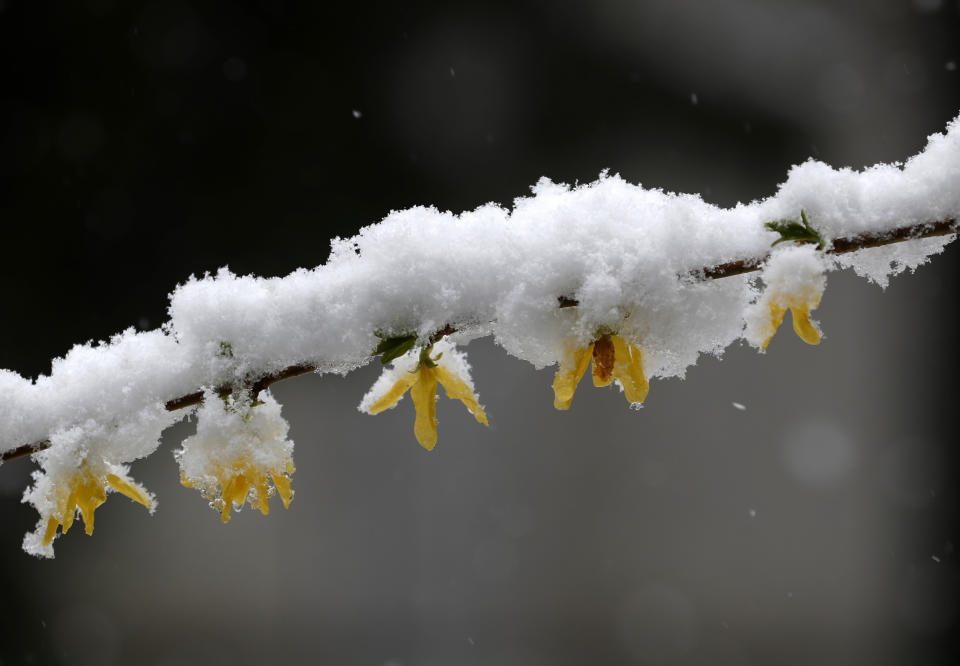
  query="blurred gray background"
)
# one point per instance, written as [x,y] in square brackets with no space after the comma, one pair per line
[143,142]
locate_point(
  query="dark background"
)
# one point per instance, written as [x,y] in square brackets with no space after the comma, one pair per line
[144,142]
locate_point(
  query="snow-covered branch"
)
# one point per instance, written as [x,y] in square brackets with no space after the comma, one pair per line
[640,265]
[729,269]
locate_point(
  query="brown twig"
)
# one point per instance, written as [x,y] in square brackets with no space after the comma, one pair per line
[841,246]
[26,450]
[260,384]
[729,269]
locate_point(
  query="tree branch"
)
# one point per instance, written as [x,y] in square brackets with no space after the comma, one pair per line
[719,271]
[840,246]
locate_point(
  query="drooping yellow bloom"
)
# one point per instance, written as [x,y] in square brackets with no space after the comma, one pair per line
[86,490]
[800,305]
[795,279]
[243,481]
[239,455]
[613,358]
[422,384]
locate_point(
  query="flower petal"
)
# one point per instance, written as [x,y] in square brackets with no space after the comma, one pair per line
[282,483]
[802,325]
[131,489]
[389,399]
[628,369]
[457,389]
[572,369]
[776,318]
[424,395]
[52,525]
[234,492]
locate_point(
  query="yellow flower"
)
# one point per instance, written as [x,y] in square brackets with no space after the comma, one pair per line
[613,358]
[422,383]
[244,481]
[86,490]
[800,305]
[240,453]
[795,279]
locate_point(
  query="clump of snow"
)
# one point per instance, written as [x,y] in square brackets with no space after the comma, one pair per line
[879,264]
[135,437]
[102,383]
[846,203]
[17,411]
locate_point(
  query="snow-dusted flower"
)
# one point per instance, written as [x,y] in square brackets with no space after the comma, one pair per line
[795,280]
[240,453]
[420,373]
[83,464]
[613,359]
[60,497]
[800,306]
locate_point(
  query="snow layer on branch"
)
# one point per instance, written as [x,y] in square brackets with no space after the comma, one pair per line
[105,384]
[134,437]
[879,264]
[623,251]
[845,202]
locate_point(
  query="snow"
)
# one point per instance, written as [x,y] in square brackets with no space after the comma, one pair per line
[628,254]
[879,264]
[232,429]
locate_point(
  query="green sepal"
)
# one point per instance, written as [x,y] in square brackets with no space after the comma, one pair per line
[393,348]
[425,358]
[226,349]
[791,230]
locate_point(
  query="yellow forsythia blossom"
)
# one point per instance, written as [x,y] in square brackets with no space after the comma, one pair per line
[800,306]
[613,359]
[86,490]
[448,369]
[240,454]
[795,279]
[241,480]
